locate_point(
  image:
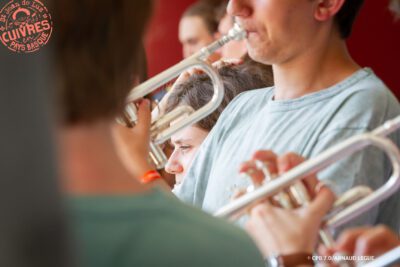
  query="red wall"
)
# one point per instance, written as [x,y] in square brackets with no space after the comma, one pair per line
[162,43]
[375,41]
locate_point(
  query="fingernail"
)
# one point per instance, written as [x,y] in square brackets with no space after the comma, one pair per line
[145,102]
[284,167]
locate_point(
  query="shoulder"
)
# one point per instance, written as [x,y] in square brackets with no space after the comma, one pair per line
[366,103]
[370,92]
[206,240]
[243,106]
[155,229]
[249,100]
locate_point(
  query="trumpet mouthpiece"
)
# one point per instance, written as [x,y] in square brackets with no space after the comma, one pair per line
[237,33]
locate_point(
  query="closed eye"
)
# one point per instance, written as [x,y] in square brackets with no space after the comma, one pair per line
[185,147]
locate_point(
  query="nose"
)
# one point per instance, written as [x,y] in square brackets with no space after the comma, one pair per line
[173,166]
[239,8]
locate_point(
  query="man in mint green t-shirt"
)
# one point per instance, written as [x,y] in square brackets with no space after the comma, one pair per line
[321,97]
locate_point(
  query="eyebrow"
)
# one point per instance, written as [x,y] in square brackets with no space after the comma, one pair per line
[180,141]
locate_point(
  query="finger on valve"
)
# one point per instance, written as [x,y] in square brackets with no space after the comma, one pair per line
[261,172]
[267,161]
[369,241]
[250,169]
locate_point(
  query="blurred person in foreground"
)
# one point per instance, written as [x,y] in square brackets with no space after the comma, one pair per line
[116,220]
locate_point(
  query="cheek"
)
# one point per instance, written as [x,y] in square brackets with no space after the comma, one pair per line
[272,17]
[187,159]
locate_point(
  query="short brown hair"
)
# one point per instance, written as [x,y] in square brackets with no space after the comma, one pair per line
[198,89]
[207,12]
[345,18]
[96,51]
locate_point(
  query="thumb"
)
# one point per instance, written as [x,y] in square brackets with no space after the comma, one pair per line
[144,117]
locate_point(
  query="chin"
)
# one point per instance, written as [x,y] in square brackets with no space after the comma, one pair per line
[262,55]
[256,55]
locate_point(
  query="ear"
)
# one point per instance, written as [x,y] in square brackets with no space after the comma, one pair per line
[326,9]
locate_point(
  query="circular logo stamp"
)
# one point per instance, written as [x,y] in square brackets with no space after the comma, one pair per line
[25,25]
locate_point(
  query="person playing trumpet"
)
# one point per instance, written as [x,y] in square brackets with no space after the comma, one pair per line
[320,97]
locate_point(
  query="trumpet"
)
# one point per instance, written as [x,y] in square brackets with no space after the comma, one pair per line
[161,130]
[387,259]
[351,204]
[325,159]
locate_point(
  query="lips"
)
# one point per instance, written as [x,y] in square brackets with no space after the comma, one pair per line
[250,29]
[246,26]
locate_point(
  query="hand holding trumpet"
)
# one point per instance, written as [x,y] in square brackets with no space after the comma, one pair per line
[364,241]
[287,232]
[280,231]
[133,143]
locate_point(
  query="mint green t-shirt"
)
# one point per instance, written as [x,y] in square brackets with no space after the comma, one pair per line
[307,125]
[155,229]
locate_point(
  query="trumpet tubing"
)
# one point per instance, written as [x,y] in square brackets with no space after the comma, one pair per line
[161,129]
[297,195]
[350,205]
[362,199]
[387,259]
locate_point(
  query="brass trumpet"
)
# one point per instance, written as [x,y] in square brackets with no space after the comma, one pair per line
[387,259]
[325,159]
[161,130]
[351,204]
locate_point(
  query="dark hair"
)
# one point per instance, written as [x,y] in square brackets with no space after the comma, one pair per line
[345,18]
[207,13]
[97,44]
[198,89]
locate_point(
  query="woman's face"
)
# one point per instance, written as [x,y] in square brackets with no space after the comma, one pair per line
[185,143]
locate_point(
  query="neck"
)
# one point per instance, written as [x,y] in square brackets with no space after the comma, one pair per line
[321,66]
[90,164]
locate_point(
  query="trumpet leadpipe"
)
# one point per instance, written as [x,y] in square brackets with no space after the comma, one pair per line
[195,60]
[237,33]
